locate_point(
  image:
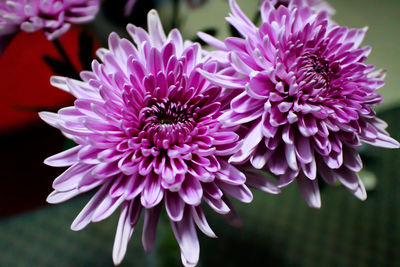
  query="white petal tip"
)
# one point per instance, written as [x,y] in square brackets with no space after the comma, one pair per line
[117,259]
[316,205]
[152,12]
[187,263]
[360,194]
[77,226]
[51,199]
[49,117]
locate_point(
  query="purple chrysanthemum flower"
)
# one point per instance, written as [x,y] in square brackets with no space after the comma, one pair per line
[53,16]
[306,95]
[146,124]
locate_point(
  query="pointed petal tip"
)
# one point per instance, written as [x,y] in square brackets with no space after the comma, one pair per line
[361,197]
[152,12]
[186,262]
[49,117]
[314,201]
[76,227]
[396,144]
[310,191]
[232,3]
[130,28]
[315,205]
[50,198]
[117,260]
[360,192]
[270,190]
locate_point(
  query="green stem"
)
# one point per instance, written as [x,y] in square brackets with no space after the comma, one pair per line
[175,14]
[257,17]
[60,49]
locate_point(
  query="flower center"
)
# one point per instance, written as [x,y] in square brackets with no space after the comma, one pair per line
[314,72]
[168,113]
[166,122]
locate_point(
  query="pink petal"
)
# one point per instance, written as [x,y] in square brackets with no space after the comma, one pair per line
[212,190]
[150,227]
[222,80]
[211,40]
[156,32]
[310,191]
[185,234]
[240,192]
[71,177]
[65,158]
[128,218]
[347,177]
[174,206]
[152,193]
[216,204]
[252,139]
[200,219]
[261,182]
[230,175]
[56,197]
[85,216]
[191,191]
[360,192]
[106,208]
[303,149]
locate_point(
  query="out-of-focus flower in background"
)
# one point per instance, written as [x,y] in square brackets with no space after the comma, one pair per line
[54,17]
[130,4]
[306,95]
[148,134]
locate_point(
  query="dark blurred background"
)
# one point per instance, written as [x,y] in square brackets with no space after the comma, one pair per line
[277,230]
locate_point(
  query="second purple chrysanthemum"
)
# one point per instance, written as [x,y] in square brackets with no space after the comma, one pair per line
[305,93]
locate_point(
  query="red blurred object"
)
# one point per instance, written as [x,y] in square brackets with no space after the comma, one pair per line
[26,141]
[24,78]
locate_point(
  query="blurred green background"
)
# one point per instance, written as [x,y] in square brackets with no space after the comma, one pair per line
[277,230]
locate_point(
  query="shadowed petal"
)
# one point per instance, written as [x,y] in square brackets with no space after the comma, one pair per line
[200,219]
[185,234]
[310,191]
[149,227]
[85,216]
[174,206]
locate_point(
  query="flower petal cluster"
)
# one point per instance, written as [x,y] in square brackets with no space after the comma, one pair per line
[148,132]
[53,16]
[305,93]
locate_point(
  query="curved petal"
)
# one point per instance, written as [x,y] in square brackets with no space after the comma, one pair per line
[191,191]
[310,191]
[185,234]
[65,158]
[85,216]
[151,217]
[174,206]
[123,234]
[200,219]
